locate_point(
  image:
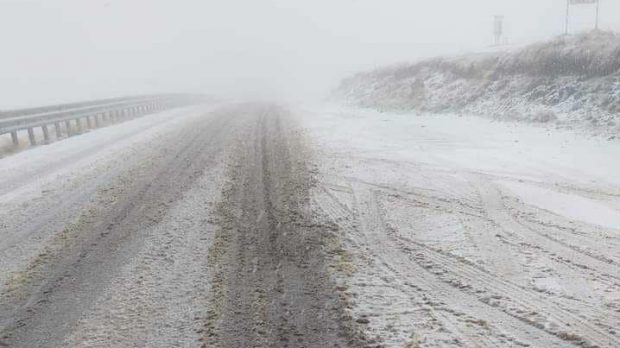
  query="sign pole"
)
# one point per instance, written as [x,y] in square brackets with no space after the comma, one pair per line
[567,14]
[598,7]
[498,29]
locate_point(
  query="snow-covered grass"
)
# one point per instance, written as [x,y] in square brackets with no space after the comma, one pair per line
[573,81]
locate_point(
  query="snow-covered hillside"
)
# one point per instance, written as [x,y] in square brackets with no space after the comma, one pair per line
[572,81]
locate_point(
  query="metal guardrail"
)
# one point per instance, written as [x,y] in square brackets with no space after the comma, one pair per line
[94,114]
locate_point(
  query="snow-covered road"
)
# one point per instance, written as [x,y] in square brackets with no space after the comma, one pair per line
[91,224]
[459,231]
[184,228]
[254,225]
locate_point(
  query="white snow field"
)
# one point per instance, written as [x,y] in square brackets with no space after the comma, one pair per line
[462,231]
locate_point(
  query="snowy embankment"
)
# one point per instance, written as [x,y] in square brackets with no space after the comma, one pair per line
[572,82]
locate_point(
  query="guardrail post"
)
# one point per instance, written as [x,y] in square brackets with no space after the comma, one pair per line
[46,134]
[57,128]
[33,141]
[78,125]
[97,122]
[68,128]
[89,122]
[14,138]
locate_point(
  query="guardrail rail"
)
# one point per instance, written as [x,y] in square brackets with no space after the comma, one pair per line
[76,117]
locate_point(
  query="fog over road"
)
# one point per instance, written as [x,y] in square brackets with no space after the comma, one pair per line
[253,224]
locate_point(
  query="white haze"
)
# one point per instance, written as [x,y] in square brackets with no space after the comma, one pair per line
[66,50]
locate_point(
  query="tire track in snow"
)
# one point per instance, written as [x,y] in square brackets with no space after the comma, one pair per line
[374,228]
[497,212]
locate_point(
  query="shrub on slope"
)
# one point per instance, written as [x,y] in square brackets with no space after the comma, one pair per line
[570,80]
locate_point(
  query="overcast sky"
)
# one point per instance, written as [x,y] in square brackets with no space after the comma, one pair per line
[66,50]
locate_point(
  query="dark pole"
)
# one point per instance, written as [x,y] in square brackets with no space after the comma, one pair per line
[567,13]
[598,7]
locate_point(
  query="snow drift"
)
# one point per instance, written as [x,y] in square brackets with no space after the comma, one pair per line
[571,81]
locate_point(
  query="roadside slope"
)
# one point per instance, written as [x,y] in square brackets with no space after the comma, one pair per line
[572,81]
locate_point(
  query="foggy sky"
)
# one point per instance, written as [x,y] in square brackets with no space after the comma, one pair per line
[67,50]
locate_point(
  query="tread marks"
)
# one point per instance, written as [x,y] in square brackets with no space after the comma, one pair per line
[274,283]
[370,223]
[453,297]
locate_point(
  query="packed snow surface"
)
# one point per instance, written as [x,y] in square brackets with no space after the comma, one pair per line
[463,231]
[569,205]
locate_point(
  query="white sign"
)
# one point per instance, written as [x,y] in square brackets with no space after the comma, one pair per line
[580,2]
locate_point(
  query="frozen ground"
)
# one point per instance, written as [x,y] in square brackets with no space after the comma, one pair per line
[460,231]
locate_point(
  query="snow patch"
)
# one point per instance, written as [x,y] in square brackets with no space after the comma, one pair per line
[568,205]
